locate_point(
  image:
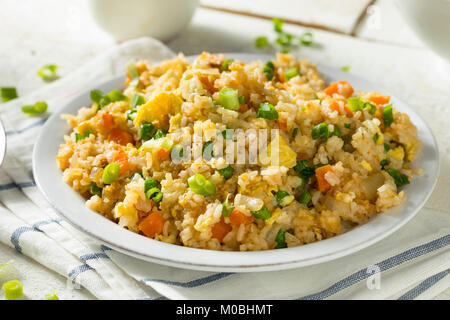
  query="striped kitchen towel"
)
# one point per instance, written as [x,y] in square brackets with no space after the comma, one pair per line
[413,263]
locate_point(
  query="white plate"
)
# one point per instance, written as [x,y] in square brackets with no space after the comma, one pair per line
[71,205]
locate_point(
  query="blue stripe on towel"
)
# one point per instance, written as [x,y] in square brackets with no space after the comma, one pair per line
[13,185]
[383,265]
[105,248]
[15,236]
[28,127]
[190,284]
[75,272]
[424,285]
[91,256]
[37,225]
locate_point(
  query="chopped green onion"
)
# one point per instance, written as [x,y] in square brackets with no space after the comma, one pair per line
[399,178]
[307,39]
[159,134]
[291,73]
[345,68]
[13,290]
[116,95]
[79,136]
[147,131]
[225,64]
[200,185]
[355,103]
[99,98]
[8,93]
[262,213]
[48,72]
[137,100]
[226,208]
[268,70]
[294,133]
[371,108]
[383,163]
[347,125]
[283,198]
[387,147]
[280,239]
[285,50]
[267,111]
[154,194]
[131,114]
[241,99]
[320,131]
[229,99]
[149,183]
[177,152]
[375,137]
[284,39]
[227,172]
[110,173]
[214,101]
[304,169]
[336,132]
[227,134]
[35,109]
[261,42]
[278,24]
[134,74]
[388,117]
[305,198]
[51,296]
[208,150]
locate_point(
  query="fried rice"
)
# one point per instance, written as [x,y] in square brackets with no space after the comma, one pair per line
[334,157]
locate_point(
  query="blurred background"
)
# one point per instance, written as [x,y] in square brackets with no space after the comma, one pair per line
[68,33]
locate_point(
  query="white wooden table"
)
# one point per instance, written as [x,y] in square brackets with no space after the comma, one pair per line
[34,33]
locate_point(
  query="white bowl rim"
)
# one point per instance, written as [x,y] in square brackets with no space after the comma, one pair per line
[49,180]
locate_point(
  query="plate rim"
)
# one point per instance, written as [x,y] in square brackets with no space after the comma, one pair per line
[247,267]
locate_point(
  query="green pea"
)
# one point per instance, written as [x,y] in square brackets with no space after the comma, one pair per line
[110,173]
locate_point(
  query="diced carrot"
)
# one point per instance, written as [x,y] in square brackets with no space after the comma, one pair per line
[282,125]
[163,154]
[282,79]
[322,183]
[348,111]
[108,119]
[341,87]
[142,214]
[208,84]
[380,100]
[335,106]
[220,230]
[120,136]
[152,225]
[122,159]
[238,217]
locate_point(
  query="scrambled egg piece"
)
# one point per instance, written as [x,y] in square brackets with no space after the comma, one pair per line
[278,154]
[397,153]
[157,110]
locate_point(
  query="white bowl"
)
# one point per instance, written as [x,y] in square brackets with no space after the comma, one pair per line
[127,19]
[72,206]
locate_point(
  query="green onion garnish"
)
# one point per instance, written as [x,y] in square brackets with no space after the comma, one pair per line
[226,208]
[383,162]
[147,131]
[208,150]
[294,133]
[262,213]
[261,42]
[35,109]
[399,178]
[134,74]
[154,194]
[8,93]
[285,50]
[137,100]
[345,68]
[387,147]
[355,103]
[347,125]
[307,39]
[267,111]
[304,170]
[371,108]
[336,132]
[51,296]
[375,137]
[284,39]
[131,114]
[320,131]
[159,134]
[81,136]
[13,290]
[116,95]
[225,64]
[48,72]
[227,172]
[280,239]
[268,70]
[229,99]
[99,98]
[177,152]
[278,24]
[95,190]
[200,185]
[150,183]
[283,198]
[291,73]
[215,102]
[241,99]
[305,198]
[388,117]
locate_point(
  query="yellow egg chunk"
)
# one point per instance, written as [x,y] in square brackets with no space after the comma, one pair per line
[278,154]
[158,109]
